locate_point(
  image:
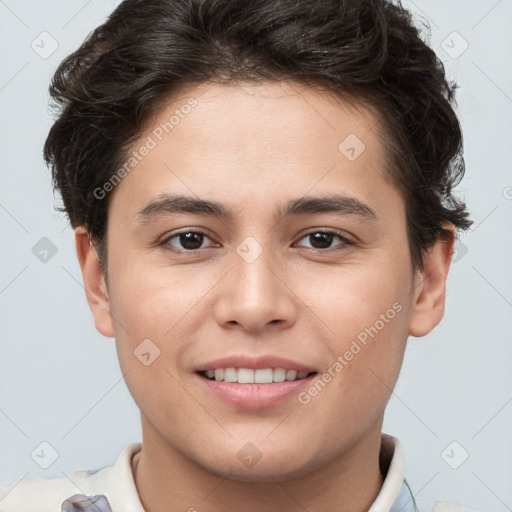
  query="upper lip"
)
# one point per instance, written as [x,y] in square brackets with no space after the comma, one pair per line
[259,362]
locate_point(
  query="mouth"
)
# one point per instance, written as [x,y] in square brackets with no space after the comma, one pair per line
[254,388]
[255,376]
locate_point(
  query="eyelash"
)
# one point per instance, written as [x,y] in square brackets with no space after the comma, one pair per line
[334,232]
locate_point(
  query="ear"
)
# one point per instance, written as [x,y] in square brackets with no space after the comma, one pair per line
[430,285]
[94,283]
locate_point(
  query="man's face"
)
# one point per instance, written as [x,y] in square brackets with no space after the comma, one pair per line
[258,284]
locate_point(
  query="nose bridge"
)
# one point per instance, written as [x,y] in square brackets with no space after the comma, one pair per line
[254,293]
[256,267]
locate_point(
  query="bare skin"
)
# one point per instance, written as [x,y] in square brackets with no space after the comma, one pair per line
[253,149]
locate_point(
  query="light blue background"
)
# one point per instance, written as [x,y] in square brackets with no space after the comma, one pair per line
[60,379]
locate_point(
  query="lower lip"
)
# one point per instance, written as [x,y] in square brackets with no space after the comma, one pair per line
[255,396]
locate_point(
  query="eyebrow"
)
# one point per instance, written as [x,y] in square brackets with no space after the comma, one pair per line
[166,204]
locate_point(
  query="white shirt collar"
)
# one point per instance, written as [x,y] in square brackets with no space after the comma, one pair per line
[391,461]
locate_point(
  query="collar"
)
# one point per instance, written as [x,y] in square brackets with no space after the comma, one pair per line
[394,496]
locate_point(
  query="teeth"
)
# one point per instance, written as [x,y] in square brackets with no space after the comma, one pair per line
[230,375]
[251,376]
[291,375]
[245,376]
[265,376]
[279,375]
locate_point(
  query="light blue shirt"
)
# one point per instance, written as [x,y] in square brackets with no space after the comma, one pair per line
[405,501]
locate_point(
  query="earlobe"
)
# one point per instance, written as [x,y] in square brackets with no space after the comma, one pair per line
[430,285]
[94,283]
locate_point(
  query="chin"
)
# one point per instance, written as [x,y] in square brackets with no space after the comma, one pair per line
[273,469]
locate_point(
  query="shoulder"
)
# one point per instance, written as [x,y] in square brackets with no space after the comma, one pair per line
[47,494]
[39,494]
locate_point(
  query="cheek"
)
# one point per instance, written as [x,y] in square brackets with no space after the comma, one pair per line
[367,313]
[152,318]
[363,303]
[152,299]
[156,311]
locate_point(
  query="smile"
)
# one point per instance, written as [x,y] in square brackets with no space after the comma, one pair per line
[254,376]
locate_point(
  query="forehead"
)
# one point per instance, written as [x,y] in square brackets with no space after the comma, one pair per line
[247,140]
[278,117]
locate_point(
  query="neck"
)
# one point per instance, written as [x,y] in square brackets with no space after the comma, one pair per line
[167,481]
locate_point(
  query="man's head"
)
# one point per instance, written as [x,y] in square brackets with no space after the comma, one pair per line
[256,127]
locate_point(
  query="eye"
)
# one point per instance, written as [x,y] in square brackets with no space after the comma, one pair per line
[189,240]
[321,240]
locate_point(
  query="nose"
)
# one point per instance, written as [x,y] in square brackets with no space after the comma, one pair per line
[255,294]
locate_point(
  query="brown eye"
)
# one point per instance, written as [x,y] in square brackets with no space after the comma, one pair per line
[187,240]
[322,240]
